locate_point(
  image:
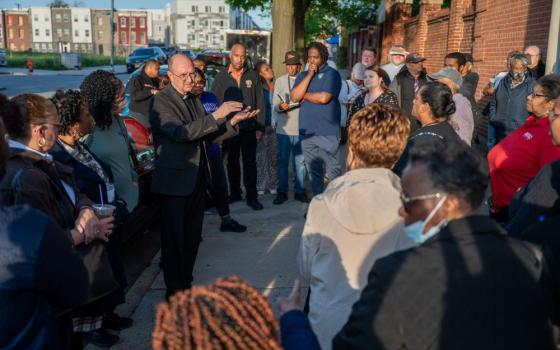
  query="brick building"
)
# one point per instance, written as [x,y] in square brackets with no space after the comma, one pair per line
[101,31]
[132,31]
[2,42]
[488,29]
[16,30]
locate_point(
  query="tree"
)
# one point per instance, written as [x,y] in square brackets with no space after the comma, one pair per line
[58,3]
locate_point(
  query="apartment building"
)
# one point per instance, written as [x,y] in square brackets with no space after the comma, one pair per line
[41,29]
[2,43]
[16,30]
[81,29]
[158,27]
[101,31]
[132,30]
[62,29]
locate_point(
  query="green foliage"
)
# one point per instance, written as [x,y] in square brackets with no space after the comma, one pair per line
[58,3]
[51,61]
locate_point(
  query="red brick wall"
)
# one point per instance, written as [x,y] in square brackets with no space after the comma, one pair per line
[18,23]
[436,44]
[411,28]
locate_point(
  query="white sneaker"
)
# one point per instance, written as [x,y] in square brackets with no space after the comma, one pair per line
[260,193]
[273,192]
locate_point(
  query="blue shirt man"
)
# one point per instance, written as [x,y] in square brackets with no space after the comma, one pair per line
[317,90]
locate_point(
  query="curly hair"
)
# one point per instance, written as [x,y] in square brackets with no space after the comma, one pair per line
[322,49]
[228,314]
[377,135]
[454,169]
[100,90]
[21,112]
[68,104]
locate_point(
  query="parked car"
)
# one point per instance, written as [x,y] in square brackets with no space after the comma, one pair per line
[170,51]
[3,61]
[139,56]
[216,57]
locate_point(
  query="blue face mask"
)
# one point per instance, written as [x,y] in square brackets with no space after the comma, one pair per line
[415,230]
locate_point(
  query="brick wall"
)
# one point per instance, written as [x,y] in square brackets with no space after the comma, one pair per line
[436,45]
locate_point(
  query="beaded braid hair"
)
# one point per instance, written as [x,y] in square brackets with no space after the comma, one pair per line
[229,314]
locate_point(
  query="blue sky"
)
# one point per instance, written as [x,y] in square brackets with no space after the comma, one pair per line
[263,22]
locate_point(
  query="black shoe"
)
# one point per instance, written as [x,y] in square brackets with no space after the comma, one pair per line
[232,226]
[302,197]
[235,198]
[101,338]
[281,197]
[115,322]
[255,204]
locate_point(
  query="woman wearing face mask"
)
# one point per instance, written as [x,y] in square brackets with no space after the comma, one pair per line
[376,91]
[355,221]
[34,178]
[523,153]
[267,149]
[93,179]
[432,106]
[109,142]
[219,188]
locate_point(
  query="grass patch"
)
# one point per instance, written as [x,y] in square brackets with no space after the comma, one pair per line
[52,60]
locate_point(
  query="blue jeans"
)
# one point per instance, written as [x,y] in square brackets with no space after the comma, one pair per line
[286,146]
[319,150]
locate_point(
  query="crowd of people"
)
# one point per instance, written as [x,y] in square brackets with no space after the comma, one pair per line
[398,249]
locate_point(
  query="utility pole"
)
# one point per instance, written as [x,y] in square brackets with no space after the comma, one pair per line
[113,36]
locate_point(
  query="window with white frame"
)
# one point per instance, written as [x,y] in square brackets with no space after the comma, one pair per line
[36,32]
[100,21]
[132,37]
[86,18]
[194,8]
[100,35]
[142,22]
[123,22]
[47,32]
[87,33]
[123,37]
[36,18]
[76,33]
[207,8]
[142,38]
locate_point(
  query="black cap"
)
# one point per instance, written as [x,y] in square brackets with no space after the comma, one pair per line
[414,58]
[292,57]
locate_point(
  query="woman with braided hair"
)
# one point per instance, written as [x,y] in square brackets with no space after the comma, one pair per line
[228,314]
[104,95]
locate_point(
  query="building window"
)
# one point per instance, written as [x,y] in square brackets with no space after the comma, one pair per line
[59,31]
[222,9]
[10,33]
[36,18]
[100,21]
[194,8]
[66,31]
[142,38]
[221,37]
[142,22]
[57,17]
[65,18]
[123,37]
[133,37]
[75,18]
[87,33]
[123,22]
[20,20]
[47,32]
[36,32]
[43,46]
[46,19]
[10,20]
[49,46]
[21,33]
[133,23]
[221,23]
[99,35]
[76,33]
[86,18]
[158,28]
[193,23]
[207,8]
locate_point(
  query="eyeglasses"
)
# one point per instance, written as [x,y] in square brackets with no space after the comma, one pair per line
[534,94]
[192,75]
[407,201]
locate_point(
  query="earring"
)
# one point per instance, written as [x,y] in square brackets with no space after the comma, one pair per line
[41,142]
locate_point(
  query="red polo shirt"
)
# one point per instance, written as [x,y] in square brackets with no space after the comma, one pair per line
[518,158]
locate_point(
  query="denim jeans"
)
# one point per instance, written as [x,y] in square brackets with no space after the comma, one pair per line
[319,151]
[288,145]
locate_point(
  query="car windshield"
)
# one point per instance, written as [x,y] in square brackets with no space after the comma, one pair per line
[143,52]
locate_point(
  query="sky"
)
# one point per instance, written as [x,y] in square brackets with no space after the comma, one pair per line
[264,23]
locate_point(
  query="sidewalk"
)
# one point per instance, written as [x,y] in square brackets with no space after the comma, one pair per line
[265,256]
[119,69]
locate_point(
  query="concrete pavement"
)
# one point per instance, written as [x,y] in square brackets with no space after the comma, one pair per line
[264,256]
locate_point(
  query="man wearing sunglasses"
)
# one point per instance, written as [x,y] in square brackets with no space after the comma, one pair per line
[466,285]
[180,127]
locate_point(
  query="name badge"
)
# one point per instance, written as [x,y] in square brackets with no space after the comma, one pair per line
[320,76]
[248,84]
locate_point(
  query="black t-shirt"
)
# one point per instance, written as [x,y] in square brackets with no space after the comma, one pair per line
[440,132]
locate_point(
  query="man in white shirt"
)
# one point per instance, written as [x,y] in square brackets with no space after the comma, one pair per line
[397,56]
[351,88]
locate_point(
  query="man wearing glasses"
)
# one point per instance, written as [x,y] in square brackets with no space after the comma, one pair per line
[466,285]
[180,128]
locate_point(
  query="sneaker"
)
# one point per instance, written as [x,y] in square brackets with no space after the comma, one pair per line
[101,338]
[260,193]
[115,322]
[302,197]
[255,204]
[235,198]
[273,192]
[232,226]
[281,197]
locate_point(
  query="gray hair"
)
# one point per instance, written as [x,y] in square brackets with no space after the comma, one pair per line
[518,56]
[538,49]
[172,59]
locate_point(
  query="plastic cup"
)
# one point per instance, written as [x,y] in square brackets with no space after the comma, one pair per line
[103,210]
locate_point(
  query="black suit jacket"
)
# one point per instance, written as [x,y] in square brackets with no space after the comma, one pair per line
[179,127]
[468,287]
